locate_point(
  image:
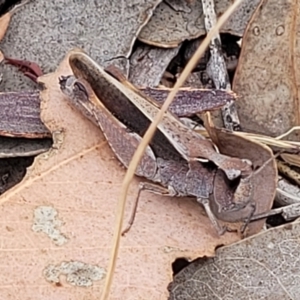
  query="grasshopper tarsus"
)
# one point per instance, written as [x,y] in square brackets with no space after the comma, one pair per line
[133,211]
[126,229]
[248,219]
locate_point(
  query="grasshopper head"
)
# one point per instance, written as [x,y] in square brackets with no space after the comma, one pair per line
[71,87]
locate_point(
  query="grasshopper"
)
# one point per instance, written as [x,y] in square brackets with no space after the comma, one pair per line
[190,145]
[160,162]
[174,158]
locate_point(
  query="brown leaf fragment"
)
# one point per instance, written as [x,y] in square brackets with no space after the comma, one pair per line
[267,77]
[174,21]
[148,64]
[20,115]
[189,101]
[264,266]
[264,183]
[29,68]
[238,22]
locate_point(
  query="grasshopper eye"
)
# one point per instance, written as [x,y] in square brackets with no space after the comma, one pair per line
[72,87]
[66,82]
[79,87]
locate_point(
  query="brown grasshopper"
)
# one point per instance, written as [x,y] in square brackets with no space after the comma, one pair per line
[173,157]
[190,145]
[161,163]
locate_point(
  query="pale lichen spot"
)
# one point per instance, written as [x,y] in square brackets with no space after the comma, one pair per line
[45,221]
[77,273]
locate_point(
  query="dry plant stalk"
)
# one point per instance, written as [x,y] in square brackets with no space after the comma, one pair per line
[264,139]
[147,137]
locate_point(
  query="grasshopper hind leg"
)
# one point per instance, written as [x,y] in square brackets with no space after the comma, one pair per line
[157,189]
[150,187]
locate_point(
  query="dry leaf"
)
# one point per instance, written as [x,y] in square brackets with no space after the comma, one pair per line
[174,21]
[78,182]
[267,78]
[287,193]
[105,29]
[265,266]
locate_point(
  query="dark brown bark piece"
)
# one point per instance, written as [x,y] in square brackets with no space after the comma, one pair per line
[20,115]
[190,101]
